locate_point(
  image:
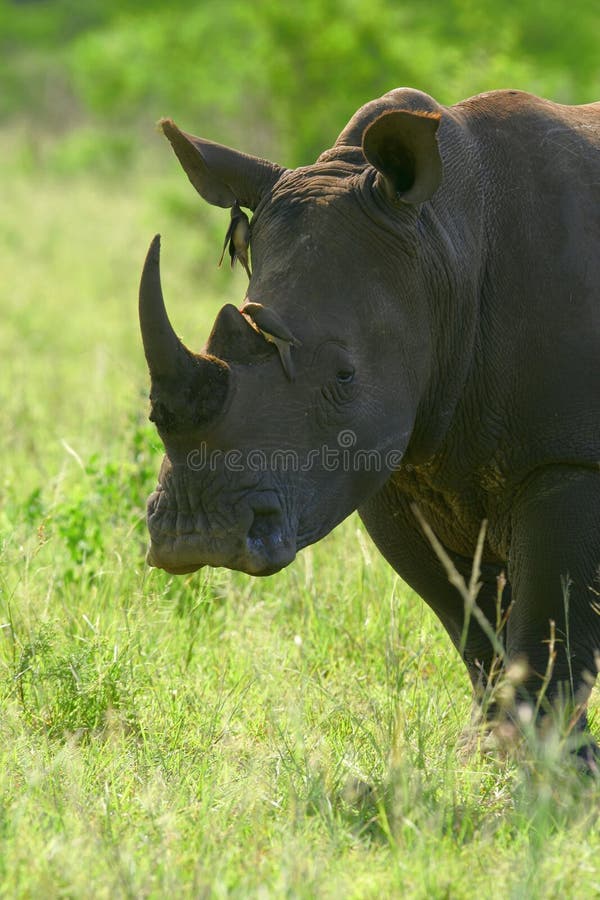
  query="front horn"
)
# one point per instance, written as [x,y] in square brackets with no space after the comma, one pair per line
[187,388]
[166,355]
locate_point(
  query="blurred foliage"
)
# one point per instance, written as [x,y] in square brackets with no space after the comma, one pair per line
[271,77]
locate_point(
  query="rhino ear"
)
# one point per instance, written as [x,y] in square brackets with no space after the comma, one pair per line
[402,145]
[221,175]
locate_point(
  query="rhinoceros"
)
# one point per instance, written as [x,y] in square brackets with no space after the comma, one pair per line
[420,330]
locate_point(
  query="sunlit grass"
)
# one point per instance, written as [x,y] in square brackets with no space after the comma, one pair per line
[213,735]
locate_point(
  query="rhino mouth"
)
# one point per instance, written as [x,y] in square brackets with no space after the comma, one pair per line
[249,536]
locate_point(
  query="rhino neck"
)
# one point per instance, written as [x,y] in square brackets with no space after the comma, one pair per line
[454,254]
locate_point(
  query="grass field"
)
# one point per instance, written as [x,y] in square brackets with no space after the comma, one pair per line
[213,735]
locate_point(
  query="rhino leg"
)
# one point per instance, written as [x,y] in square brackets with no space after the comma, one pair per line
[391,524]
[554,568]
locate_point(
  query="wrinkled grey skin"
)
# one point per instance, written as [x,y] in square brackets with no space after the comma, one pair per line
[440,270]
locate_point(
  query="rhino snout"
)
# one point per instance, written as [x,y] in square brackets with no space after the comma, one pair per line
[252,537]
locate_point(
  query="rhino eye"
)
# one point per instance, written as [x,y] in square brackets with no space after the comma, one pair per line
[345,376]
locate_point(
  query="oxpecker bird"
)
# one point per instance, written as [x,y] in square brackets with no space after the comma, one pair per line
[273,329]
[238,238]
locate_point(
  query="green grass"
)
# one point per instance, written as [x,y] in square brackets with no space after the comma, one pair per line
[213,735]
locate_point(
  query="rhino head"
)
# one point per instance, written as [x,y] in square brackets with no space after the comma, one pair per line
[306,398]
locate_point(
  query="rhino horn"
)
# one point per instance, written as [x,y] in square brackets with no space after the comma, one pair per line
[166,355]
[233,338]
[188,389]
[221,175]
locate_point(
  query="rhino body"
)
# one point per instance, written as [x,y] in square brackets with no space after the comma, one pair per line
[437,276]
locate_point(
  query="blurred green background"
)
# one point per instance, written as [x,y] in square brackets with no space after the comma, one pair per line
[85,79]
